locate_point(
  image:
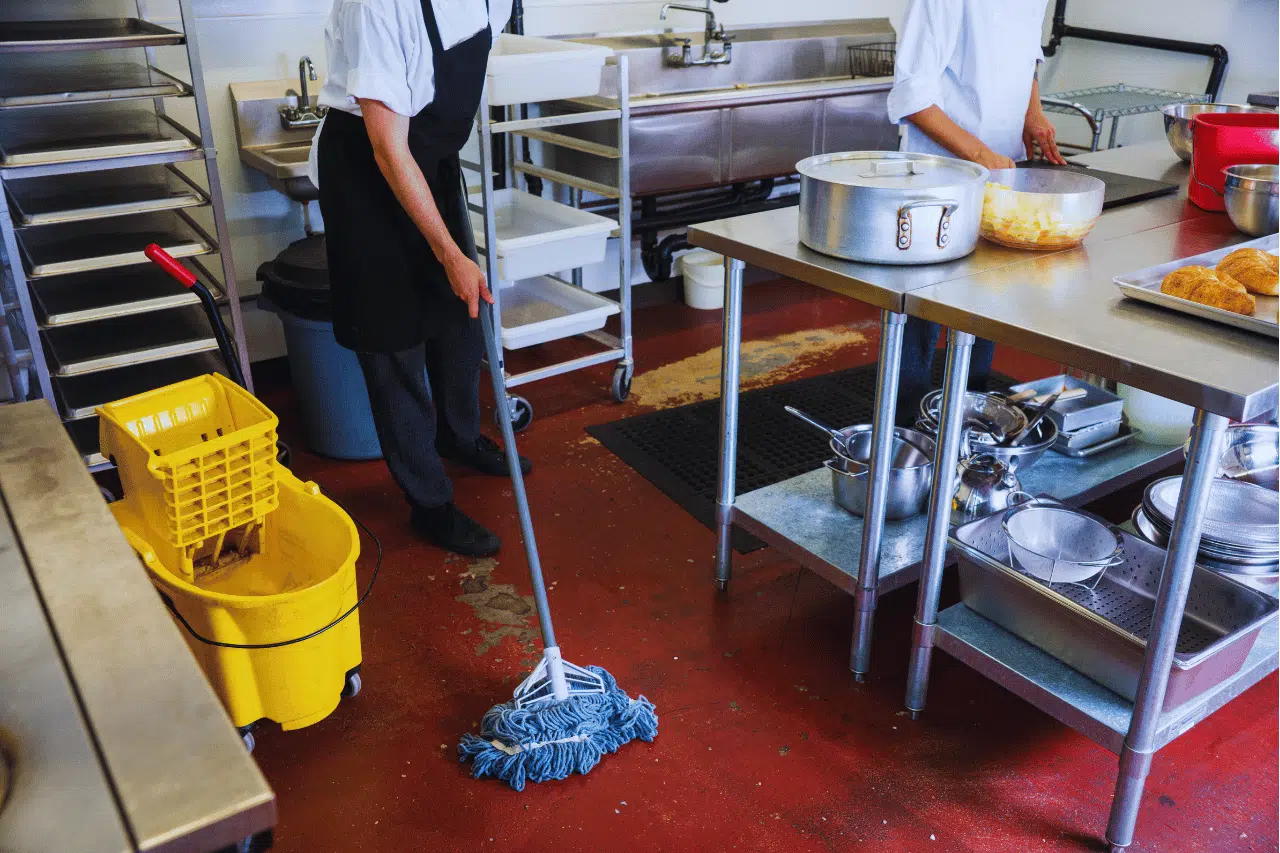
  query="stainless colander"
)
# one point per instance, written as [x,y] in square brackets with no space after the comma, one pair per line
[1059,545]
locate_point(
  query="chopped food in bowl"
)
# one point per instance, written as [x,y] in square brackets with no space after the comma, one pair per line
[1040,208]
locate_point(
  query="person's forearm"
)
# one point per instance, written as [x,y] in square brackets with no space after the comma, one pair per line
[391,152]
[1034,103]
[938,126]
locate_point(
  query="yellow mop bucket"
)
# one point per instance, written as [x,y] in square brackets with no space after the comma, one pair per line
[268,604]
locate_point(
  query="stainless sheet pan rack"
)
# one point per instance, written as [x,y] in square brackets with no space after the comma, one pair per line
[92,162]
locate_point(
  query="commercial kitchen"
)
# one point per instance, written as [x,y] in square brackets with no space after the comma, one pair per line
[797,605]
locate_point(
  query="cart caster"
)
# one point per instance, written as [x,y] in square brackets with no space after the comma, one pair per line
[622,382]
[351,688]
[521,413]
[106,494]
[246,735]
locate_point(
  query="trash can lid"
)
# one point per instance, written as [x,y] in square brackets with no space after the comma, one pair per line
[297,280]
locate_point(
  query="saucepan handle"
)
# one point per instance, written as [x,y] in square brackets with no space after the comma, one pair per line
[948,205]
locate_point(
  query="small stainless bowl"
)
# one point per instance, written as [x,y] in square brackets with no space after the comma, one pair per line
[1022,457]
[1252,454]
[990,410]
[1177,122]
[910,477]
[1252,197]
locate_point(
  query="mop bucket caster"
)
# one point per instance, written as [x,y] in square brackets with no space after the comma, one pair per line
[301,580]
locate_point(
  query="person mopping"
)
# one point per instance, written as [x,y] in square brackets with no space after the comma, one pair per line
[965,84]
[403,86]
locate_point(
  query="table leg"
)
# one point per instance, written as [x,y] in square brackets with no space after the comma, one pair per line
[1115,128]
[1097,132]
[882,425]
[729,374]
[945,460]
[1162,639]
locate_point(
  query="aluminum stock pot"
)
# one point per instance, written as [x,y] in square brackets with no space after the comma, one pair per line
[890,207]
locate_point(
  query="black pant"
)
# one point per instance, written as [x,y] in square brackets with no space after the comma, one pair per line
[424,399]
[915,380]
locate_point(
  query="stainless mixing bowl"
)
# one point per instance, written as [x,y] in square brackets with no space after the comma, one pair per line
[1177,122]
[1252,454]
[1252,197]
[989,410]
[910,476]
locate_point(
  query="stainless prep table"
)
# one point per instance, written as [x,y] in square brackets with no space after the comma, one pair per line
[986,294]
[116,741]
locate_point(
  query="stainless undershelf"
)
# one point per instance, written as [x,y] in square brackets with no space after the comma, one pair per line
[101,195]
[76,247]
[86,34]
[92,134]
[66,300]
[125,341]
[38,87]
[800,519]
[1072,698]
[79,396]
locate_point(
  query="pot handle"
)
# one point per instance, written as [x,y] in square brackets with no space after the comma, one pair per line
[893,168]
[944,222]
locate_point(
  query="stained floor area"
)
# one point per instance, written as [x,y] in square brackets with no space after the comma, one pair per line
[765,742]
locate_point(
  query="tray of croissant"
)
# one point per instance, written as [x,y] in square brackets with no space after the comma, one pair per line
[1236,286]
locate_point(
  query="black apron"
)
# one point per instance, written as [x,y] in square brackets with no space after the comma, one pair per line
[389,291]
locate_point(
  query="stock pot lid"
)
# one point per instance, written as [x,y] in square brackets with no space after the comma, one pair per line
[891,170]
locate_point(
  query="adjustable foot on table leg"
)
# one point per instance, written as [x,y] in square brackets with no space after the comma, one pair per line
[914,715]
[722,585]
[860,677]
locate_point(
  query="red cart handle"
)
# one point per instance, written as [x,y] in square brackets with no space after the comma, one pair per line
[169,264]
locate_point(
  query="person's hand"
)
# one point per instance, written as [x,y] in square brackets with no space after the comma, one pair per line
[467,282]
[1039,132]
[992,160]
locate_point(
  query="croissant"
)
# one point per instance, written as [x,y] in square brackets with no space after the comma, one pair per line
[1203,285]
[1257,270]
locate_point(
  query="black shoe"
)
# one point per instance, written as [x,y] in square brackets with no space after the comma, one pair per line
[451,529]
[486,456]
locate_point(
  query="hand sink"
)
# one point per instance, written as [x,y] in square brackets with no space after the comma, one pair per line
[268,147]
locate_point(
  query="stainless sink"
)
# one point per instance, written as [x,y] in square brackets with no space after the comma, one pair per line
[265,145]
[787,94]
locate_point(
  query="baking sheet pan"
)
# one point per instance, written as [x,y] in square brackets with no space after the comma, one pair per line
[101,195]
[79,396]
[126,341]
[1144,285]
[87,34]
[66,300]
[36,87]
[75,247]
[45,138]
[84,435]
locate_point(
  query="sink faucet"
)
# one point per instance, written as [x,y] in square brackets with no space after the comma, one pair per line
[713,33]
[303,115]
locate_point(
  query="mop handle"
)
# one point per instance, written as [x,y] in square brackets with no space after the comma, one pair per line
[493,353]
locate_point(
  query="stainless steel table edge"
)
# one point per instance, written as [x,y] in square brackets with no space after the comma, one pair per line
[877,297]
[194,792]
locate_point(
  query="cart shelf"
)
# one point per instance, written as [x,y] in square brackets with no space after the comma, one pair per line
[45,87]
[800,519]
[87,34]
[1073,699]
[100,136]
[547,309]
[124,341]
[101,195]
[79,396]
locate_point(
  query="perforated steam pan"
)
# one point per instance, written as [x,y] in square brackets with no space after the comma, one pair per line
[1102,632]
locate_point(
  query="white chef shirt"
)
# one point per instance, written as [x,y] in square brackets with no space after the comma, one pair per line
[379,49]
[975,60]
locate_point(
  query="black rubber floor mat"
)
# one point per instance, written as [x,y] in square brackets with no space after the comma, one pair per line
[678,449]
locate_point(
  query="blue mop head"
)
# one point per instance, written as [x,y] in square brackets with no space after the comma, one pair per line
[554,739]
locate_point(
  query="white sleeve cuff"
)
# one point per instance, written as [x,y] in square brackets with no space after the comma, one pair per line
[911,95]
[377,85]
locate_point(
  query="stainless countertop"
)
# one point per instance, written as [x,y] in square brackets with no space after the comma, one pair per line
[1066,307]
[769,240]
[182,779]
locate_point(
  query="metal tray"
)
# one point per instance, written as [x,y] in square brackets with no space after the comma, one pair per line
[1102,632]
[39,87]
[1095,439]
[88,34]
[101,195]
[1097,406]
[79,396]
[95,134]
[1152,534]
[84,297]
[1144,285]
[124,341]
[75,247]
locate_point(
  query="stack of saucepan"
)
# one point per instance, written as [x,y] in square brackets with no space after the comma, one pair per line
[1240,533]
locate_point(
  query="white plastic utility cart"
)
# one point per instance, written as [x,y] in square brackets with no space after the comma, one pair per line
[528,242]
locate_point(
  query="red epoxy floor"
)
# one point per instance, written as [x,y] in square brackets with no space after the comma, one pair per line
[765,741]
